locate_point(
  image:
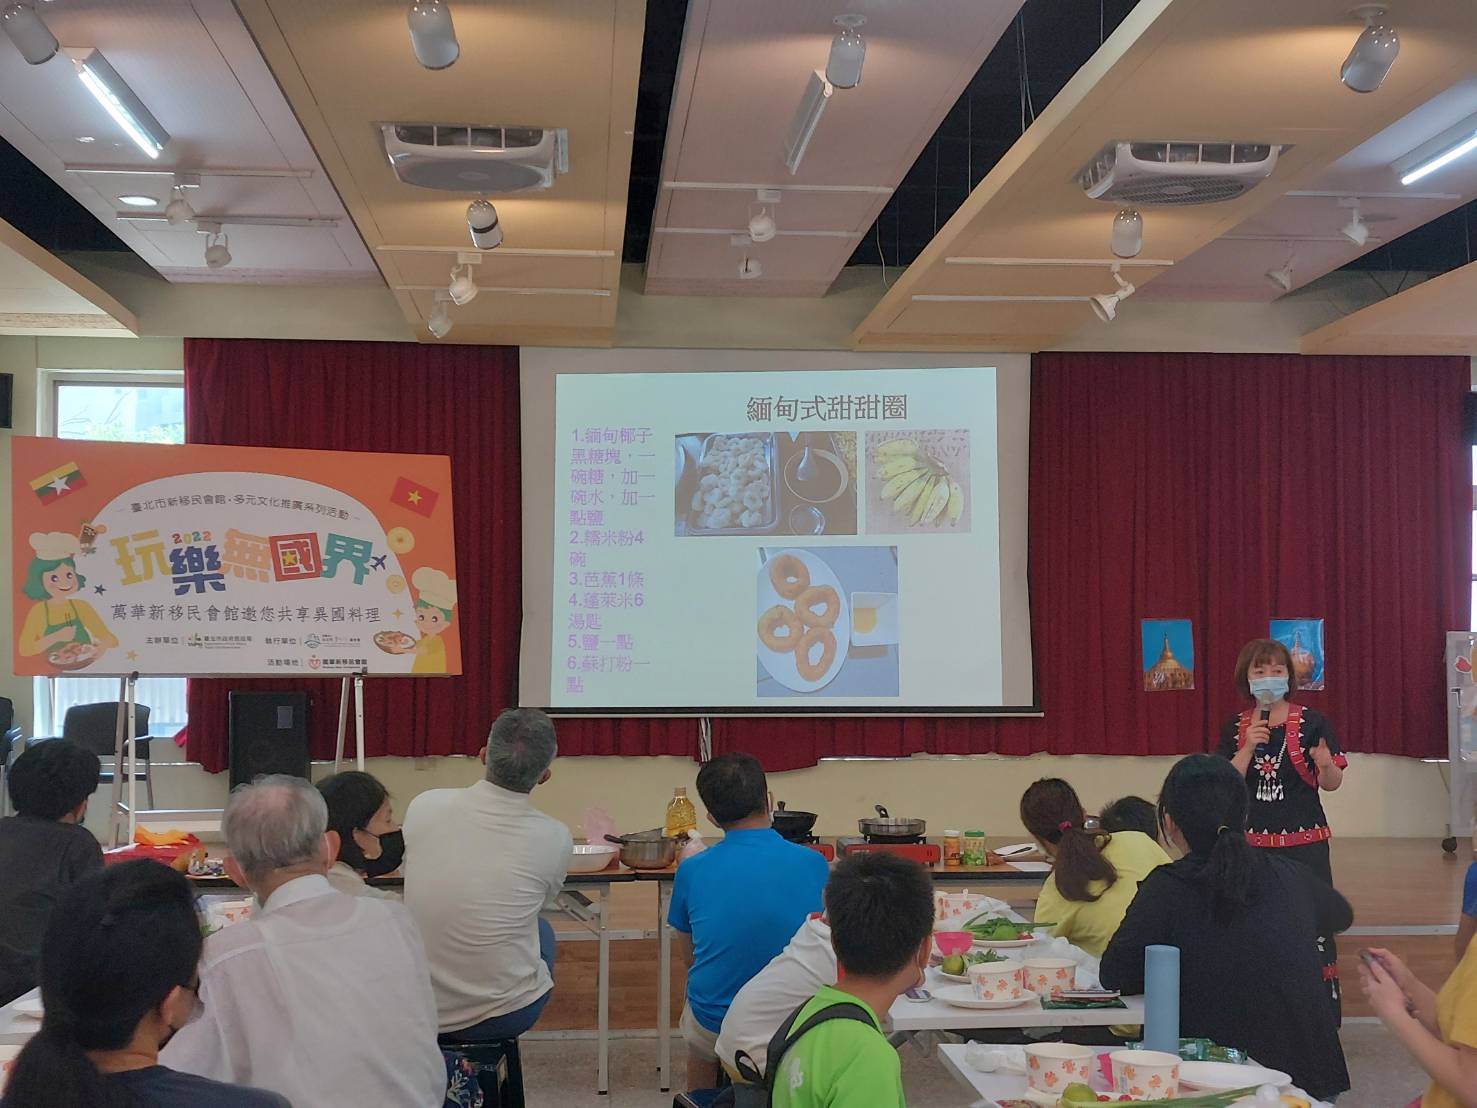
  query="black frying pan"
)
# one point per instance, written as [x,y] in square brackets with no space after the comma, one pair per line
[792,825]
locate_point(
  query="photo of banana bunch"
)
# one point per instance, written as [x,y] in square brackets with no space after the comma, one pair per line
[917,482]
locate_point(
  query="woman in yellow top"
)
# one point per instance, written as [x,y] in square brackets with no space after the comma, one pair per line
[1439,1029]
[59,618]
[435,601]
[1095,875]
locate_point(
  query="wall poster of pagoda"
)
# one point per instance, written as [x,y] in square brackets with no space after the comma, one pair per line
[1168,654]
[1304,641]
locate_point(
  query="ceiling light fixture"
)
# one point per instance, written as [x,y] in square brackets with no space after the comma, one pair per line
[1356,230]
[1128,233]
[848,52]
[818,92]
[178,210]
[463,289]
[119,101]
[749,268]
[138,201]
[482,221]
[1375,50]
[432,36]
[440,322]
[1282,277]
[1105,305]
[218,253]
[1445,148]
[29,32]
[761,226]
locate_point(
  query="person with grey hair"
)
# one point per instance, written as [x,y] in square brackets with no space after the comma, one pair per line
[320,996]
[482,864]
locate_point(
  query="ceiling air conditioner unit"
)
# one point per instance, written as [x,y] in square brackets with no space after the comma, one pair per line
[1141,173]
[473,158]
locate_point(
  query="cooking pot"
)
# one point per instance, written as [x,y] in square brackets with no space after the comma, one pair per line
[886,829]
[792,825]
[652,849]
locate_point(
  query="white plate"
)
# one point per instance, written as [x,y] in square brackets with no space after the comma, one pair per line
[29,1006]
[1212,1077]
[1001,944]
[962,996]
[1013,850]
[781,665]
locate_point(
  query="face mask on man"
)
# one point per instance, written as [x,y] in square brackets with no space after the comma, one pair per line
[392,853]
[1267,689]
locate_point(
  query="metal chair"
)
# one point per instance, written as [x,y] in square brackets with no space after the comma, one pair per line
[95,727]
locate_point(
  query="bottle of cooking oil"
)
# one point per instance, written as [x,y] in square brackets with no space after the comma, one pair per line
[681,815]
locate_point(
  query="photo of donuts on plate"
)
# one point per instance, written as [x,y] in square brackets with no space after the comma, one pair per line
[766,483]
[917,482]
[827,621]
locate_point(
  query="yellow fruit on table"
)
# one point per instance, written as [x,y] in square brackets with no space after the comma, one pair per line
[893,466]
[937,502]
[913,492]
[902,480]
[924,499]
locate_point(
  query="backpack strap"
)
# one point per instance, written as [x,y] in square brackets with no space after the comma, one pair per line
[785,1038]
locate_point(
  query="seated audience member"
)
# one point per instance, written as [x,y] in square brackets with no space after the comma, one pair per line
[119,968]
[1246,923]
[319,996]
[365,839]
[1438,1029]
[1467,925]
[1095,874]
[881,913]
[43,849]
[792,977]
[484,863]
[1131,813]
[737,903]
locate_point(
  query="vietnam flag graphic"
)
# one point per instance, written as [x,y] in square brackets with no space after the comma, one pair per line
[416,497]
[53,486]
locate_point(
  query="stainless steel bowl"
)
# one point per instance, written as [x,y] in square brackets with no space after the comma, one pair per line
[647,850]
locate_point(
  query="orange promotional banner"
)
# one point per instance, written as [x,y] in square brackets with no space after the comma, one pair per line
[230,561]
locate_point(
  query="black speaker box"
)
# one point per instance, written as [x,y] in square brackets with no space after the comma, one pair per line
[268,734]
[7,398]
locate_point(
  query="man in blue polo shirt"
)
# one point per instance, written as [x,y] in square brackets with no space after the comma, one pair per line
[738,903]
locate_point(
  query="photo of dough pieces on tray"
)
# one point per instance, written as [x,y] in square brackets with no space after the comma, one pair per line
[766,483]
[827,621]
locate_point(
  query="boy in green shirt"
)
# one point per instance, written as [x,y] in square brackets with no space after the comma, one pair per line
[880,908]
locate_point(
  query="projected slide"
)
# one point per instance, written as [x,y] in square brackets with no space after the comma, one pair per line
[777,541]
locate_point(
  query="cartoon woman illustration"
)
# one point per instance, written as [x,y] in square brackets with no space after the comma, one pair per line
[59,619]
[435,600]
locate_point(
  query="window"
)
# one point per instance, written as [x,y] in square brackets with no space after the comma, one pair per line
[116,408]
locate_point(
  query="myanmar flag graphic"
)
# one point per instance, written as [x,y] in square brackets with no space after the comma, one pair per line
[53,486]
[417,497]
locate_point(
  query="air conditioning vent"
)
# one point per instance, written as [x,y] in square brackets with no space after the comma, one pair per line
[475,158]
[1147,173]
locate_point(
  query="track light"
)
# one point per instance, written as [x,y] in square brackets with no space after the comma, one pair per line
[1105,305]
[29,32]
[761,226]
[218,253]
[440,322]
[120,102]
[1128,233]
[462,290]
[487,232]
[178,209]
[848,51]
[1356,230]
[749,268]
[1282,277]
[432,36]
[1375,50]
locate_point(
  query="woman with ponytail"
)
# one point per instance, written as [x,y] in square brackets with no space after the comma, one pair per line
[1094,875]
[1245,922]
[119,970]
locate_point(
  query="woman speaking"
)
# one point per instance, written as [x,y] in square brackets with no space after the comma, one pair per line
[1288,755]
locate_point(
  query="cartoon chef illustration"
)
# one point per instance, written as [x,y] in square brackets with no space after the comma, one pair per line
[59,619]
[435,599]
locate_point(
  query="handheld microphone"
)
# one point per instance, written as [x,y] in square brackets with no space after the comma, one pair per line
[1266,700]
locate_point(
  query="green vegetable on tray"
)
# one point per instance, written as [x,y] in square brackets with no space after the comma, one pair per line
[957,965]
[997,929]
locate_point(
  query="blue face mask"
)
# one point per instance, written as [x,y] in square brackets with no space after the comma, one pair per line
[1268,688]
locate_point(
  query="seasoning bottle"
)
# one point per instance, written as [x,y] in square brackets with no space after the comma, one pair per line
[681,815]
[952,849]
[974,848]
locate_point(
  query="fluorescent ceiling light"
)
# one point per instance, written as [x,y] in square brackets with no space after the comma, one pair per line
[29,32]
[119,101]
[848,52]
[1430,165]
[138,201]
[818,92]
[432,36]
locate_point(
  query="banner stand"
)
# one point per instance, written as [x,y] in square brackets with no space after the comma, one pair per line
[343,721]
[126,732]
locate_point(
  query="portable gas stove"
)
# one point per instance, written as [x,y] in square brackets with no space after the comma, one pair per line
[825,850]
[914,847]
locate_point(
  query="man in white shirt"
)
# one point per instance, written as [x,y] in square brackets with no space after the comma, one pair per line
[481,864]
[760,1008]
[322,997]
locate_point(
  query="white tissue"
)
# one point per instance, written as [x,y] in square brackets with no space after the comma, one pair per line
[995,1059]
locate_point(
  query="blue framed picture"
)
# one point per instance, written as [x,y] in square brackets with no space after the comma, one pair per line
[1304,641]
[1168,650]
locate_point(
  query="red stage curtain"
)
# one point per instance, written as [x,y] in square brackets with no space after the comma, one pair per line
[1226,489]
